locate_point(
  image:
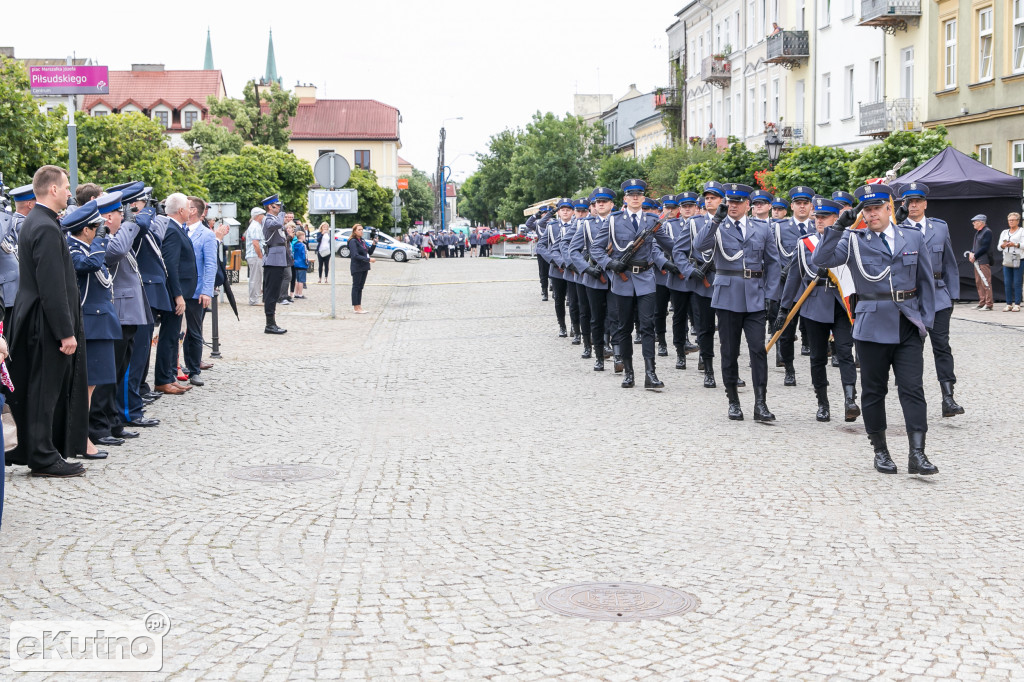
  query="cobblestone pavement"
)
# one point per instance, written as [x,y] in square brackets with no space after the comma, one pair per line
[479,462]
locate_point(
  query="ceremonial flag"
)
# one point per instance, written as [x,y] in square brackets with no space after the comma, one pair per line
[840,275]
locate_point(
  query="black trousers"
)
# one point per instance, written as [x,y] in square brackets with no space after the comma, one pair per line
[542,267]
[323,266]
[598,304]
[358,281]
[644,306]
[943,354]
[704,324]
[817,339]
[681,302]
[574,304]
[662,295]
[105,417]
[751,325]
[558,288]
[291,284]
[193,346]
[273,275]
[906,359]
[612,318]
[166,369]
[583,303]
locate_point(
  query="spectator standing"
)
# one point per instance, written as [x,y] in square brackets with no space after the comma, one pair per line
[323,253]
[301,262]
[462,244]
[204,245]
[48,339]
[979,255]
[428,246]
[182,280]
[474,243]
[254,254]
[359,265]
[1010,246]
[289,274]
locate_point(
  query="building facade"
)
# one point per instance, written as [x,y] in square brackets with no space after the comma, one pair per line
[620,119]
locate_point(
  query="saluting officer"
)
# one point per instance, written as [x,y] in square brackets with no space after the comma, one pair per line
[153,271]
[669,212]
[632,282]
[554,228]
[542,263]
[747,275]
[711,198]
[893,273]
[787,232]
[275,245]
[581,214]
[592,278]
[824,313]
[947,286]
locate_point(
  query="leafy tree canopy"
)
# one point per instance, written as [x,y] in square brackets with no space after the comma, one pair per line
[417,201]
[213,139]
[374,201]
[915,147]
[616,169]
[257,172]
[260,117]
[28,138]
[824,169]
[665,163]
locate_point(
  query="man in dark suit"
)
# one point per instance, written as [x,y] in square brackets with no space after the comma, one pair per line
[182,278]
[50,402]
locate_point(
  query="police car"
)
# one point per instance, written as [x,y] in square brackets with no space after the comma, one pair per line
[387,247]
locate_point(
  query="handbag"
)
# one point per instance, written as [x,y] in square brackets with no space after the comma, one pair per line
[10,430]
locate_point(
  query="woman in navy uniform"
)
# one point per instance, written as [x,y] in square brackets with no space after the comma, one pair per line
[893,272]
[102,328]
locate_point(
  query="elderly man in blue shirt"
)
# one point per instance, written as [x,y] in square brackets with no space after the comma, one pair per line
[205,246]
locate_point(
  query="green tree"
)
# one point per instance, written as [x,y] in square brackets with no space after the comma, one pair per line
[374,201]
[417,201]
[616,169]
[554,157]
[693,177]
[917,148]
[255,173]
[28,138]
[260,117]
[471,204]
[824,169]
[127,147]
[212,139]
[493,176]
[665,163]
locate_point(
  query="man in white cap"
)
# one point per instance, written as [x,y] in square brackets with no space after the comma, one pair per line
[254,254]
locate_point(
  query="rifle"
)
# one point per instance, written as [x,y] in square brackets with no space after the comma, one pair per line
[634,246]
[703,269]
[792,313]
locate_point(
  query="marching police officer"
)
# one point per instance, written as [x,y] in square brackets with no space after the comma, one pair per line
[678,269]
[947,286]
[592,278]
[747,276]
[780,209]
[275,245]
[574,283]
[542,263]
[553,228]
[670,212]
[711,198]
[787,232]
[845,199]
[761,205]
[893,273]
[824,312]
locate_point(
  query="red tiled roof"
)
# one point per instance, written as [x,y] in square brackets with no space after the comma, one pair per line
[403,162]
[345,119]
[146,88]
[450,190]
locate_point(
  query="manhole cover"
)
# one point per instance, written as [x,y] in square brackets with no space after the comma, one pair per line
[281,473]
[617,601]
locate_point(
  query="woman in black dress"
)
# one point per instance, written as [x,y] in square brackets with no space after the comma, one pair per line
[359,265]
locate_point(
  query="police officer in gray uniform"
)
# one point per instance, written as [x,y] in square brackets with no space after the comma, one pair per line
[712,196]
[747,276]
[824,313]
[676,266]
[24,199]
[574,276]
[787,232]
[552,230]
[593,279]
[893,272]
[947,285]
[275,245]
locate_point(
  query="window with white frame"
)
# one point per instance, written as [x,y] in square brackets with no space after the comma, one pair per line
[764,104]
[875,79]
[985,44]
[775,100]
[728,35]
[163,116]
[848,95]
[801,16]
[189,118]
[751,124]
[949,54]
[728,116]
[718,38]
[751,20]
[1017,57]
[826,98]
[985,154]
[1017,159]
[739,27]
[775,11]
[907,72]
[801,103]
[100,112]
[825,13]
[759,21]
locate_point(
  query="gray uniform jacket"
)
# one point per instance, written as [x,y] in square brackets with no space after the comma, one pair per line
[563,248]
[579,252]
[618,231]
[684,247]
[275,242]
[130,300]
[820,305]
[553,233]
[676,231]
[9,269]
[940,248]
[739,255]
[909,268]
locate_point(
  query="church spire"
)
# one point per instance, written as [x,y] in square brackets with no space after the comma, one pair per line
[208,62]
[271,74]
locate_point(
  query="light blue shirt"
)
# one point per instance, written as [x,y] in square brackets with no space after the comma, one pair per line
[205,246]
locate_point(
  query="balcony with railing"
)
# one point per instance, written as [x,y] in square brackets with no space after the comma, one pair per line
[890,15]
[788,48]
[667,98]
[716,70]
[881,119]
[791,131]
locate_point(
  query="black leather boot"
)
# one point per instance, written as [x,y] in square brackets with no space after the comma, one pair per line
[272,327]
[543,293]
[919,463]
[576,338]
[790,379]
[599,363]
[680,360]
[850,403]
[662,346]
[949,406]
[587,348]
[761,411]
[741,383]
[735,411]
[561,331]
[883,462]
[690,347]
[709,374]
[823,415]
[651,379]
[779,362]
[608,351]
[805,349]
[637,339]
[627,377]
[700,363]
[618,359]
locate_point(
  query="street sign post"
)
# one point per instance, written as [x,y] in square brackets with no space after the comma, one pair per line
[331,171]
[332,201]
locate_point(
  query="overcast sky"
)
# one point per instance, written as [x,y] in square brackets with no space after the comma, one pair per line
[493,64]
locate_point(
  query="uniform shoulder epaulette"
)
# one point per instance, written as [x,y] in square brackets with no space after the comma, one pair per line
[909,224]
[940,221]
[616,213]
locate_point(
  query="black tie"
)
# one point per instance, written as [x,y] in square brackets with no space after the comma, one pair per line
[636,225]
[885,243]
[802,228]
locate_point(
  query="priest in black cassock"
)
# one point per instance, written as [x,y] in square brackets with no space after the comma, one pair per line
[49,402]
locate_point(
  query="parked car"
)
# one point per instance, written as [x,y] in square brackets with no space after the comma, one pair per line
[387,246]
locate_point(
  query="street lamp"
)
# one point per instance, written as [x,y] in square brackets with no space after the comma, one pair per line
[773,143]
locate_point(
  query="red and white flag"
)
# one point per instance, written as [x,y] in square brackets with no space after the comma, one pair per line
[840,275]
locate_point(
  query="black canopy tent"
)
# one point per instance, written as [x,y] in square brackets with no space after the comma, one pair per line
[958,189]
